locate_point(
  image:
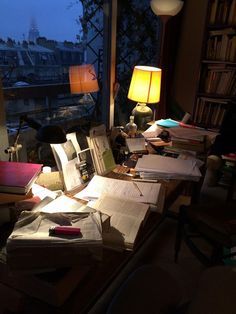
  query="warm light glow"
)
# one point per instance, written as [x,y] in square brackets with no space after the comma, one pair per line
[166,7]
[83,79]
[145,86]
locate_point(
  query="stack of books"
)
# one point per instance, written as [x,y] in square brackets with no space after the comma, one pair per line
[196,144]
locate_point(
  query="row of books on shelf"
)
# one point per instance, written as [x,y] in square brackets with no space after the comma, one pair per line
[210,112]
[221,45]
[219,80]
[222,12]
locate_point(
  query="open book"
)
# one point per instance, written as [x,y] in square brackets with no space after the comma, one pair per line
[122,221]
[142,192]
[75,165]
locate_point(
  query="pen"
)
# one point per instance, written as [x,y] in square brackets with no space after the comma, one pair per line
[136,186]
[145,180]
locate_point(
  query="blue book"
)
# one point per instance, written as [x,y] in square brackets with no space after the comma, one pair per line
[167,123]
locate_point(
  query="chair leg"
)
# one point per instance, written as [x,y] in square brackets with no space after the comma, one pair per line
[179,234]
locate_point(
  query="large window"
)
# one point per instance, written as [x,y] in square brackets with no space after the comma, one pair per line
[37,47]
[45,38]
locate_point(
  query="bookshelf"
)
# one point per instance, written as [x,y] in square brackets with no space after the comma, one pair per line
[217,79]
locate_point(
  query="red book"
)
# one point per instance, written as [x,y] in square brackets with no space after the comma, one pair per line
[18,177]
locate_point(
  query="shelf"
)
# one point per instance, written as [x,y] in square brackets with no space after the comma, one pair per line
[218,62]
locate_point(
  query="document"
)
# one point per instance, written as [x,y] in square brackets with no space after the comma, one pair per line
[66,158]
[30,246]
[62,204]
[125,218]
[156,166]
[135,144]
[143,192]
[152,132]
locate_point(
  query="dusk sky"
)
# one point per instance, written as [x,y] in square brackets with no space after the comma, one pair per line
[55,19]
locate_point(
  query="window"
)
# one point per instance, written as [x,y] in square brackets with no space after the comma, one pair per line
[34,67]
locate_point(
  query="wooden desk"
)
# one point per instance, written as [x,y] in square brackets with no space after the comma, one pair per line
[76,290]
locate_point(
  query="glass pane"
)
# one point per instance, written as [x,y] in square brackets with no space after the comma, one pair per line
[138,43]
[37,47]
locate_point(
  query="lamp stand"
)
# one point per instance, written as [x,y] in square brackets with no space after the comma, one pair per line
[142,115]
[13,150]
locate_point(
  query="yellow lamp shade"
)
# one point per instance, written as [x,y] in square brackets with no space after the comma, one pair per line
[145,86]
[83,79]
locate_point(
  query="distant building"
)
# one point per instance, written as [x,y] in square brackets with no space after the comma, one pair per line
[35,63]
[33,31]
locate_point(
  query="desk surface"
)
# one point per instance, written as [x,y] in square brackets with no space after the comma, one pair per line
[79,288]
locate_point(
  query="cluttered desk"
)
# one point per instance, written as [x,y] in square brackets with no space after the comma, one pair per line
[72,244]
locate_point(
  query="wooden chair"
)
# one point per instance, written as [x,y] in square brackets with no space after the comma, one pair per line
[213,223]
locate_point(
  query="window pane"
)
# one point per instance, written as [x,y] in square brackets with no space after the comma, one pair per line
[138,43]
[43,39]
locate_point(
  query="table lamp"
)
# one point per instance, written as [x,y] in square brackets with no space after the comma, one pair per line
[52,134]
[145,87]
[83,80]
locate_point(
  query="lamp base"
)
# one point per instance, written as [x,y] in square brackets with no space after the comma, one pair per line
[142,115]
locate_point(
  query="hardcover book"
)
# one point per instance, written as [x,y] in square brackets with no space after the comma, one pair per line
[18,177]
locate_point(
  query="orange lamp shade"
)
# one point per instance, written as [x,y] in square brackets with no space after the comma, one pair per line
[83,79]
[145,85]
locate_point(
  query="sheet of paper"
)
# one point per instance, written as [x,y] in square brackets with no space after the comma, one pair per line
[63,204]
[136,144]
[125,219]
[109,205]
[71,175]
[126,189]
[153,131]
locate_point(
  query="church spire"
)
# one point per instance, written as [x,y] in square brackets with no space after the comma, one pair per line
[33,31]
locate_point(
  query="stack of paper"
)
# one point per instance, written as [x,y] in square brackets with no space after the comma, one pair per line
[31,247]
[155,166]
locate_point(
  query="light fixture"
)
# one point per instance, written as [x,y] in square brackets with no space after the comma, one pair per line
[145,87]
[83,80]
[52,134]
[166,7]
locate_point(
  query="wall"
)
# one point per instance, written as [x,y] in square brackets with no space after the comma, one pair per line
[185,82]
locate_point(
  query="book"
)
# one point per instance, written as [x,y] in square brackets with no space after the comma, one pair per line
[66,158]
[18,177]
[189,145]
[122,220]
[75,165]
[102,154]
[141,192]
